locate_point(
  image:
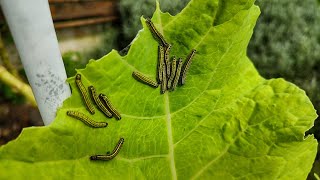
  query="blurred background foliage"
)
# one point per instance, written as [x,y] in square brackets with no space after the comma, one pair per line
[119,35]
[285,43]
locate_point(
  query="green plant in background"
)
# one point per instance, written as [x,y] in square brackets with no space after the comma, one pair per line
[286,43]
[72,60]
[131,11]
[75,59]
[12,85]
[109,42]
[225,122]
[7,94]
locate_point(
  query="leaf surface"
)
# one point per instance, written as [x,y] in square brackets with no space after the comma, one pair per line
[226,122]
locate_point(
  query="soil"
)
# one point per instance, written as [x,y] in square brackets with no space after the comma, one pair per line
[13,118]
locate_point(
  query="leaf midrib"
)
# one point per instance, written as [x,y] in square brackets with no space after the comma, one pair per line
[168,123]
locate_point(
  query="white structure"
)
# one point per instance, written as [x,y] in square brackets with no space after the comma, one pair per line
[31,25]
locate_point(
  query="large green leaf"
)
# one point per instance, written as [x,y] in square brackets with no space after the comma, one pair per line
[226,122]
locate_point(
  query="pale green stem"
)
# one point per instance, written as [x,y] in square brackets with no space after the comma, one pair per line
[5,59]
[20,87]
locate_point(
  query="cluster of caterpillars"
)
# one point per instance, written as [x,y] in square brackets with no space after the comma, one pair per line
[169,73]
[104,106]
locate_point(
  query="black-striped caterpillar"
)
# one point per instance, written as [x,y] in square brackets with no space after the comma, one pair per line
[177,74]
[160,63]
[156,34]
[109,156]
[186,66]
[98,102]
[167,59]
[164,80]
[84,94]
[173,72]
[86,119]
[110,107]
[144,79]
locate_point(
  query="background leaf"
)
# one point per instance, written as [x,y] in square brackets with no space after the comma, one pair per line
[225,122]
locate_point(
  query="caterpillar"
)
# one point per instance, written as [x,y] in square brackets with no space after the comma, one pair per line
[164,80]
[109,156]
[98,102]
[173,72]
[86,119]
[186,66]
[160,62]
[107,102]
[144,79]
[177,74]
[156,34]
[167,58]
[84,94]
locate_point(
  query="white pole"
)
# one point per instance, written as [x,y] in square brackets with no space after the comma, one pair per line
[33,32]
